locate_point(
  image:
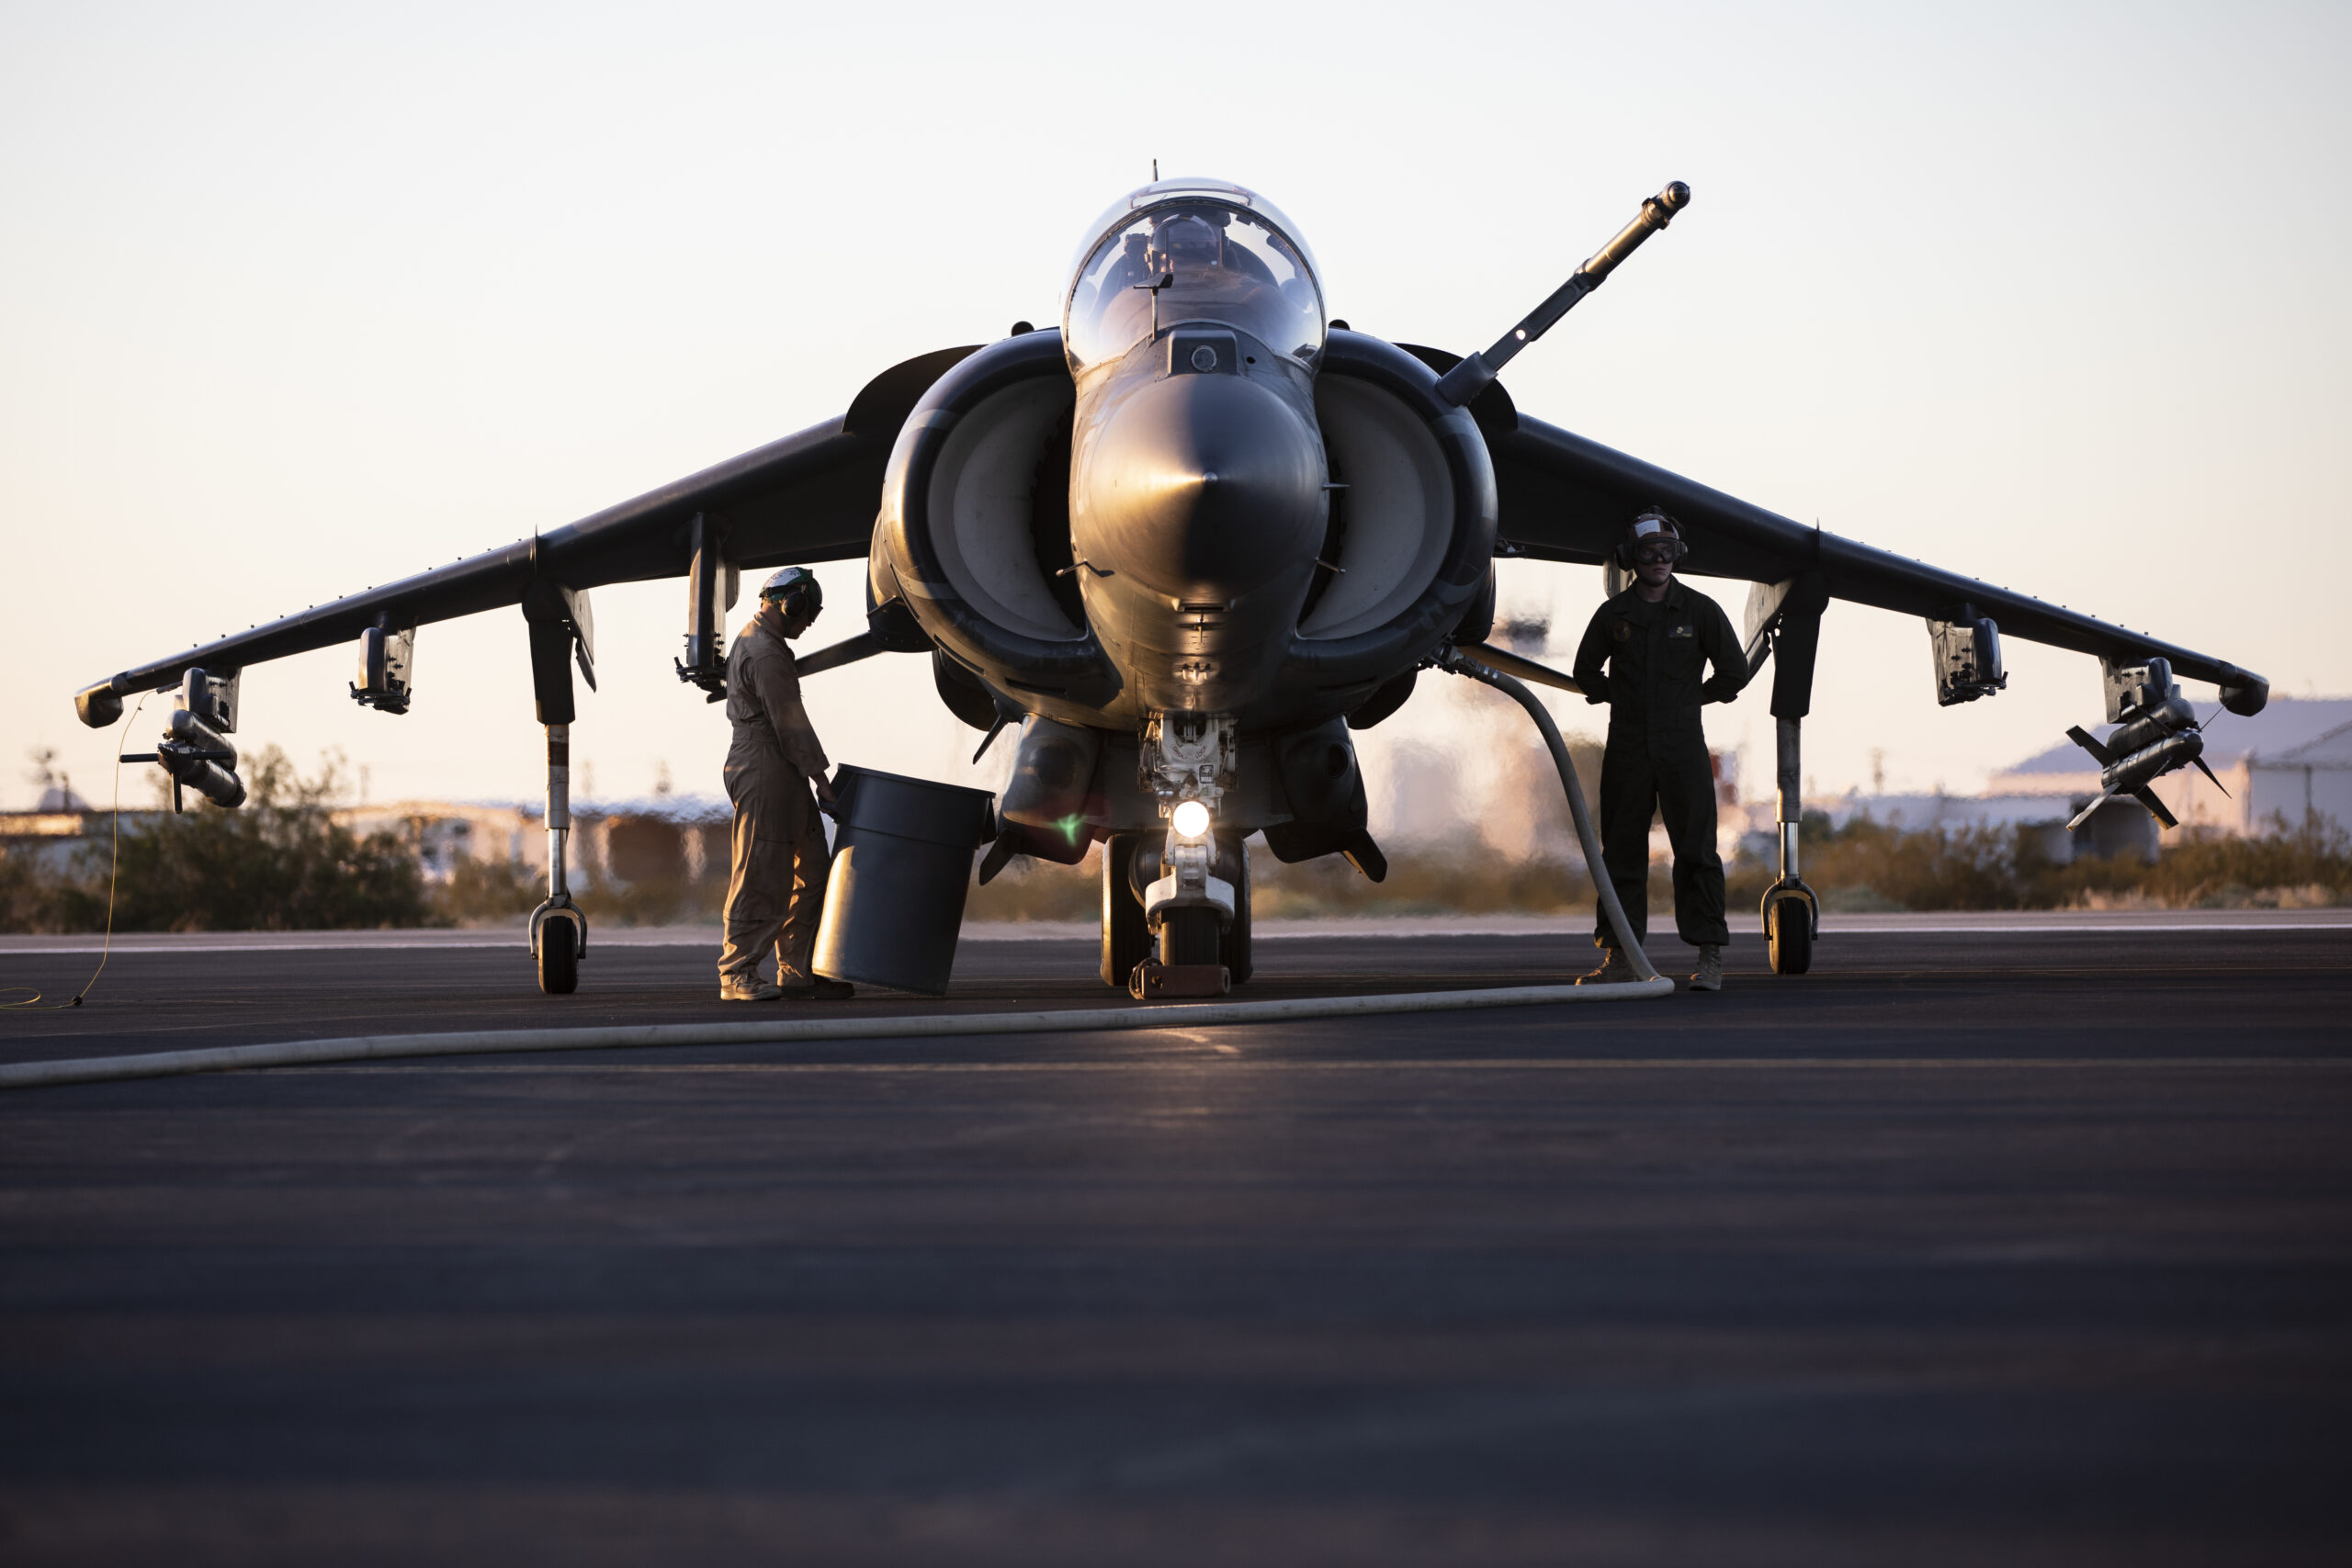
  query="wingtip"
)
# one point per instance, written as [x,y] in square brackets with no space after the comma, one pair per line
[99,706]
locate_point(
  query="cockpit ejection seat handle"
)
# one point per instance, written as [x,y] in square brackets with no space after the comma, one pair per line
[1475,373]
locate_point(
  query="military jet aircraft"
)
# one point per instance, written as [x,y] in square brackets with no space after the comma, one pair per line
[1189,543]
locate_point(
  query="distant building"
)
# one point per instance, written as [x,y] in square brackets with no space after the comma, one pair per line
[656,840]
[665,838]
[2116,828]
[2312,781]
[47,839]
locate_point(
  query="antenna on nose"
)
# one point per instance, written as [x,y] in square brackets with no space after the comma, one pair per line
[1155,170]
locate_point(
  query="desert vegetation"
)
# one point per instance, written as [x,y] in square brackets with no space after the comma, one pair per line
[283,863]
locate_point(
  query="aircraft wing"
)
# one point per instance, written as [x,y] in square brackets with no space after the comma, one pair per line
[1564,498]
[811,496]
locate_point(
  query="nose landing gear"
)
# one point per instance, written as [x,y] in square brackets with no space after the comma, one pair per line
[1189,959]
[1193,886]
[1199,952]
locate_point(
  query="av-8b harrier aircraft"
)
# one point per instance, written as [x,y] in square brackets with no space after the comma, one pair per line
[1189,543]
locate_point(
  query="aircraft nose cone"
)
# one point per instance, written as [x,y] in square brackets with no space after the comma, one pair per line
[1202,486]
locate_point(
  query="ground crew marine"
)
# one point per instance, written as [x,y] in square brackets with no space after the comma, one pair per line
[1644,655]
[777,890]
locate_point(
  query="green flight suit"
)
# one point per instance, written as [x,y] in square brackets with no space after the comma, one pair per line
[1645,661]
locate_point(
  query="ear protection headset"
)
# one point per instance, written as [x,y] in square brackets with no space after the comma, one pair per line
[1651,525]
[795,586]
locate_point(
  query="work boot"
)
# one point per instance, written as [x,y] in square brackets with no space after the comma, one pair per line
[748,986]
[819,990]
[1615,970]
[1710,977]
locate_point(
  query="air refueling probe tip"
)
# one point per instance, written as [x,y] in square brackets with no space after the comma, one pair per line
[1674,197]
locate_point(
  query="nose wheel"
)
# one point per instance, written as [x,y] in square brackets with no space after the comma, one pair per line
[1197,953]
[1191,960]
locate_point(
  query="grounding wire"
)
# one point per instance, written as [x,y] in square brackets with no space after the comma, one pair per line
[114,868]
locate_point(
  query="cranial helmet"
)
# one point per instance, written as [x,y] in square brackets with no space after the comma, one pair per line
[1651,525]
[795,587]
[1188,237]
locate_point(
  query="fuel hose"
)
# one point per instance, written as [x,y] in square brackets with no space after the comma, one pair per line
[1457,662]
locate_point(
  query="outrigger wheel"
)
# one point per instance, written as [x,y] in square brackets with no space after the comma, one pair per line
[1789,916]
[559,959]
[556,930]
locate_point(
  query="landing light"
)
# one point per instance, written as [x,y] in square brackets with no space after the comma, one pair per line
[1191,818]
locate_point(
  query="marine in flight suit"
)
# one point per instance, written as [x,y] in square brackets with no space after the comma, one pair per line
[777,890]
[1643,656]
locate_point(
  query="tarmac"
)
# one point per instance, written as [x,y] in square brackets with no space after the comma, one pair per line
[2016,1239]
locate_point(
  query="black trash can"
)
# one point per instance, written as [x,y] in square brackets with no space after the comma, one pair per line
[902,865]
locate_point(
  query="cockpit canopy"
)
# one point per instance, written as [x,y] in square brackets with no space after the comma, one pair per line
[1193,250]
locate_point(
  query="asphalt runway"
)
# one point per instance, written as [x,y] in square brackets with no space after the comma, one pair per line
[1984,1246]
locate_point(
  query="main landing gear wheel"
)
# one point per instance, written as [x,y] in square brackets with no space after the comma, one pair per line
[558,958]
[1126,941]
[1233,949]
[1788,935]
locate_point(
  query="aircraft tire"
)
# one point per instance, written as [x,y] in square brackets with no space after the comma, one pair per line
[1190,936]
[1788,934]
[1233,948]
[558,958]
[1126,941]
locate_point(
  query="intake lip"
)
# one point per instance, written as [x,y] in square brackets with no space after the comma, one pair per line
[1200,487]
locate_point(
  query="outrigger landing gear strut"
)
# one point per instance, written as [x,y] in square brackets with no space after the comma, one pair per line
[562,633]
[1791,913]
[559,930]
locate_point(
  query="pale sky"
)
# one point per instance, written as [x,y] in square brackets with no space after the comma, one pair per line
[299,299]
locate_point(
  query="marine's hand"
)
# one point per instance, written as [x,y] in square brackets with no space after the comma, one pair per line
[825,790]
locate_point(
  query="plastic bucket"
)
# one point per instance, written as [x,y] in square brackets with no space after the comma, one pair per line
[902,865]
